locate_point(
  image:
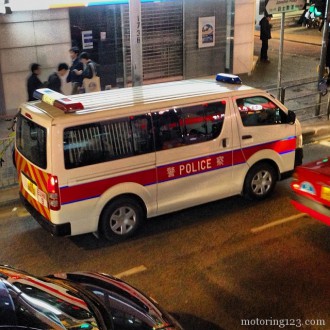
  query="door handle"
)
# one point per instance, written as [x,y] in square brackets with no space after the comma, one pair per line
[224,143]
[245,137]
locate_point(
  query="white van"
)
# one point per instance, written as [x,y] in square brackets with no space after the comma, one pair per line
[103,162]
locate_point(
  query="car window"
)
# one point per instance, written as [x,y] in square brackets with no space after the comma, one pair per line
[43,305]
[127,312]
[31,141]
[188,125]
[259,111]
[105,141]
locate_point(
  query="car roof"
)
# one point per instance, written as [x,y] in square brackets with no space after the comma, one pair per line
[134,100]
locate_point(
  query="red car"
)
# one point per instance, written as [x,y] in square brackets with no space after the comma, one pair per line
[311,189]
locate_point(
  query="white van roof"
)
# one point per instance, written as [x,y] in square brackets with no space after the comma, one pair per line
[143,98]
[156,93]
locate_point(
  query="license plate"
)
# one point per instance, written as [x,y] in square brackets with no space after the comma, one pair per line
[325,193]
[34,191]
[31,187]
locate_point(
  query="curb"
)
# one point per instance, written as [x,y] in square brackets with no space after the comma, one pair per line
[9,196]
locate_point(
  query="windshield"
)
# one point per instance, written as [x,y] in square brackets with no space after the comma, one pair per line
[44,305]
[31,141]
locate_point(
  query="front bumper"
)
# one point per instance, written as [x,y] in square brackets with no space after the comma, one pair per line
[314,209]
[56,230]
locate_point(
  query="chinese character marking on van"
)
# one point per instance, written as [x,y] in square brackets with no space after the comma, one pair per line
[42,198]
[220,161]
[171,172]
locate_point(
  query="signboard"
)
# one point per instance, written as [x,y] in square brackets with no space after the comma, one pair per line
[20,5]
[206,31]
[283,6]
[87,39]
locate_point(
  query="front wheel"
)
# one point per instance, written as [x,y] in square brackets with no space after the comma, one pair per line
[260,181]
[121,218]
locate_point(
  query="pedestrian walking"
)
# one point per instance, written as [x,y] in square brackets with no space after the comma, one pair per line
[33,81]
[265,35]
[54,80]
[77,66]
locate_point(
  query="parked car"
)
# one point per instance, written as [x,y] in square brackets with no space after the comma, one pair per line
[311,189]
[78,300]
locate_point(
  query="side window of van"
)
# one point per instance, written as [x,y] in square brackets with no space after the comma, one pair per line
[259,110]
[103,141]
[188,125]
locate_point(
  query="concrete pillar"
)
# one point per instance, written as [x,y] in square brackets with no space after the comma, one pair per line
[136,41]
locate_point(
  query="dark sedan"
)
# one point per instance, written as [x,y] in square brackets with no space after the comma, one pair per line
[79,300]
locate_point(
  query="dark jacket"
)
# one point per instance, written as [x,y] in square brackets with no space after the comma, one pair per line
[90,70]
[265,28]
[33,83]
[72,77]
[54,82]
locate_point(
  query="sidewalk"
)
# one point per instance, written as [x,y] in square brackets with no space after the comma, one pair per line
[9,196]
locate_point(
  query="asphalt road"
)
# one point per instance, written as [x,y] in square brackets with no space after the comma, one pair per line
[212,266]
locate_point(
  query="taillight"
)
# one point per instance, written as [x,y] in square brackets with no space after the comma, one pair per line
[53,193]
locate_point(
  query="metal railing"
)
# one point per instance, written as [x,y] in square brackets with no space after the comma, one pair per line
[305,99]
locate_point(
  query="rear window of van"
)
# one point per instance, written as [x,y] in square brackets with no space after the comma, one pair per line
[31,141]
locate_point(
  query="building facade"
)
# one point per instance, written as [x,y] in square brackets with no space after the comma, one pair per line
[181,39]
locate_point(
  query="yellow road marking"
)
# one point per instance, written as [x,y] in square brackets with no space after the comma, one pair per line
[277,222]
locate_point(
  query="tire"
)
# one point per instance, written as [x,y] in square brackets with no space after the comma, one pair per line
[259,182]
[121,218]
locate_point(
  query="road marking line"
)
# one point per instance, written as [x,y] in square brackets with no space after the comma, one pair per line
[132,271]
[21,212]
[277,222]
[325,143]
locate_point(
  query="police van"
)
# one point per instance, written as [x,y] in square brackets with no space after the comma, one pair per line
[103,162]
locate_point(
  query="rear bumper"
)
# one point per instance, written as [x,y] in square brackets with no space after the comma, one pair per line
[315,210]
[56,230]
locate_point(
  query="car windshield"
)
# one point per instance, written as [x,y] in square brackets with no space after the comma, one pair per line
[43,305]
[31,141]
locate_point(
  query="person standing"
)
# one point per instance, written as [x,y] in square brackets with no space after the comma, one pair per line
[89,67]
[33,81]
[54,80]
[265,35]
[91,80]
[77,66]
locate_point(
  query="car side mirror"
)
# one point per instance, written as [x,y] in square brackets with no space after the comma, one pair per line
[291,117]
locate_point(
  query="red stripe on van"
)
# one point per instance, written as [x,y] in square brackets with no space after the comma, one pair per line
[174,171]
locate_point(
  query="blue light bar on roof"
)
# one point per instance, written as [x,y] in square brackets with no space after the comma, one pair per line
[228,78]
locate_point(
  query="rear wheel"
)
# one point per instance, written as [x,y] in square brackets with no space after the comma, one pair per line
[260,181]
[121,218]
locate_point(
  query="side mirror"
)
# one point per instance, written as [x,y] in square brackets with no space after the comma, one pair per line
[291,117]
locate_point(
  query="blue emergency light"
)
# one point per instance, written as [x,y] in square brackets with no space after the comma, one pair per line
[228,78]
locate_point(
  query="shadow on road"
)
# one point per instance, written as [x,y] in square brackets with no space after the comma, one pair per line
[194,323]
[174,221]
